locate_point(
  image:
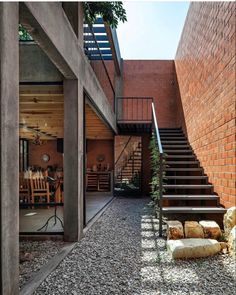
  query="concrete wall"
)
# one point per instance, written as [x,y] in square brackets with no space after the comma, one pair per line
[205,65]
[155,78]
[35,66]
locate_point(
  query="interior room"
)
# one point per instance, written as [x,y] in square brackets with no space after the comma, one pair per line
[41,193]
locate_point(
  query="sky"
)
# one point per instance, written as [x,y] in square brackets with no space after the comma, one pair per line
[153,29]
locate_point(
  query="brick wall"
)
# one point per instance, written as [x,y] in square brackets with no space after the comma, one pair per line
[100,147]
[154,78]
[50,148]
[205,66]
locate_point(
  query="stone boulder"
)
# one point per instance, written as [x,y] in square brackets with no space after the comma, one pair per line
[211,229]
[232,242]
[229,220]
[193,229]
[175,230]
[193,248]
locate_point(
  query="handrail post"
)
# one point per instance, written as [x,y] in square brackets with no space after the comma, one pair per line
[160,195]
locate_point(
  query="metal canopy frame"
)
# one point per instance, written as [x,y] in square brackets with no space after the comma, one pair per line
[96,41]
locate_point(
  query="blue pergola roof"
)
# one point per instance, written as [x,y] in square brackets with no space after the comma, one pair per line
[96,43]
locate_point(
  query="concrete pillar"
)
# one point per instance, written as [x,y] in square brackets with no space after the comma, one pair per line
[9,151]
[73,160]
[75,15]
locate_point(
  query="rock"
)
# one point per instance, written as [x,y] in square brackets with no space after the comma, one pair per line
[193,248]
[232,241]
[193,229]
[211,229]
[25,257]
[229,220]
[175,230]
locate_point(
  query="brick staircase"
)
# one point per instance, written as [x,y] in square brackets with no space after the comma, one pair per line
[187,190]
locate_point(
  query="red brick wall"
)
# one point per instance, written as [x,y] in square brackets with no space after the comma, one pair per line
[154,78]
[50,148]
[205,66]
[100,147]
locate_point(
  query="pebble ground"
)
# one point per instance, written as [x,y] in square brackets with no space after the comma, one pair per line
[122,254]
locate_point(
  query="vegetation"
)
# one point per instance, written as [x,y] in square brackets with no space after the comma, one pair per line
[23,34]
[111,12]
[155,163]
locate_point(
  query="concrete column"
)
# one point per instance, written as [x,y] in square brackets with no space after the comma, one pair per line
[73,160]
[9,151]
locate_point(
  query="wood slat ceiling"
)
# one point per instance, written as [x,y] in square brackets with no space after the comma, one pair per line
[42,107]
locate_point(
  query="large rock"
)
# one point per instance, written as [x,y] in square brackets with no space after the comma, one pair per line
[193,229]
[232,241]
[175,230]
[193,248]
[211,229]
[229,220]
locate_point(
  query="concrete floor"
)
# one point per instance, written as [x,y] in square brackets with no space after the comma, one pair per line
[31,220]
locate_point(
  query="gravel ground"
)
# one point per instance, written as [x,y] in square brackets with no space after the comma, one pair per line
[122,254]
[40,253]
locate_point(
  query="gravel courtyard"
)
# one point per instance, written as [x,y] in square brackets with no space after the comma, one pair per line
[122,254]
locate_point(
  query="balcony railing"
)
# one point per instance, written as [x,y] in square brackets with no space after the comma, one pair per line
[97,49]
[134,109]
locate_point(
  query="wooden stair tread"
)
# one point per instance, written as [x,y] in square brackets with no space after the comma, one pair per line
[182,162]
[187,177]
[193,210]
[190,197]
[183,169]
[188,186]
[181,156]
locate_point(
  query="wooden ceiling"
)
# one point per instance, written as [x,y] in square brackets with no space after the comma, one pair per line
[42,109]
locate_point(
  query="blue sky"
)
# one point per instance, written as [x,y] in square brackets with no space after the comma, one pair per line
[153,29]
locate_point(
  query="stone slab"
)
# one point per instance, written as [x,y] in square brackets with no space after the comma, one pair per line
[229,220]
[211,229]
[232,242]
[175,230]
[193,248]
[192,229]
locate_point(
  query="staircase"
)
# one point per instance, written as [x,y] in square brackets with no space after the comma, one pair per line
[129,173]
[187,190]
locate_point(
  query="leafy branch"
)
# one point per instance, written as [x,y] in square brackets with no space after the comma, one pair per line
[111,12]
[156,165]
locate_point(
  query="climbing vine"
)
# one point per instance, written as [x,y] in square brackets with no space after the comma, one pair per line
[155,165]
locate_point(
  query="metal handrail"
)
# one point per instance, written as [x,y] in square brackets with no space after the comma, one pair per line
[123,149]
[161,165]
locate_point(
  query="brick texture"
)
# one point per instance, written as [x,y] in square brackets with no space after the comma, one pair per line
[154,78]
[205,67]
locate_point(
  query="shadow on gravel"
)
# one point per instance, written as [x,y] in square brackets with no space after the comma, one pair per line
[162,275]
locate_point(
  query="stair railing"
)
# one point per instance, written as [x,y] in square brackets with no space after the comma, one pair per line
[125,155]
[160,149]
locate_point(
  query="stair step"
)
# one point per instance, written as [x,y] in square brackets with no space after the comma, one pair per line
[190,197]
[186,177]
[167,210]
[172,137]
[163,142]
[181,162]
[187,186]
[183,169]
[181,156]
[178,151]
[175,146]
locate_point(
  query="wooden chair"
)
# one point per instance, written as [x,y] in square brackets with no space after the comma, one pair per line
[24,189]
[39,188]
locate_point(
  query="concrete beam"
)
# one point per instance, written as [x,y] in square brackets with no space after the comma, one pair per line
[58,40]
[9,152]
[73,160]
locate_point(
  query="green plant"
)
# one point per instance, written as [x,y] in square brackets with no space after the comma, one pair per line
[23,34]
[156,165]
[111,12]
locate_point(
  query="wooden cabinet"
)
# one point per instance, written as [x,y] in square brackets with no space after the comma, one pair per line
[98,181]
